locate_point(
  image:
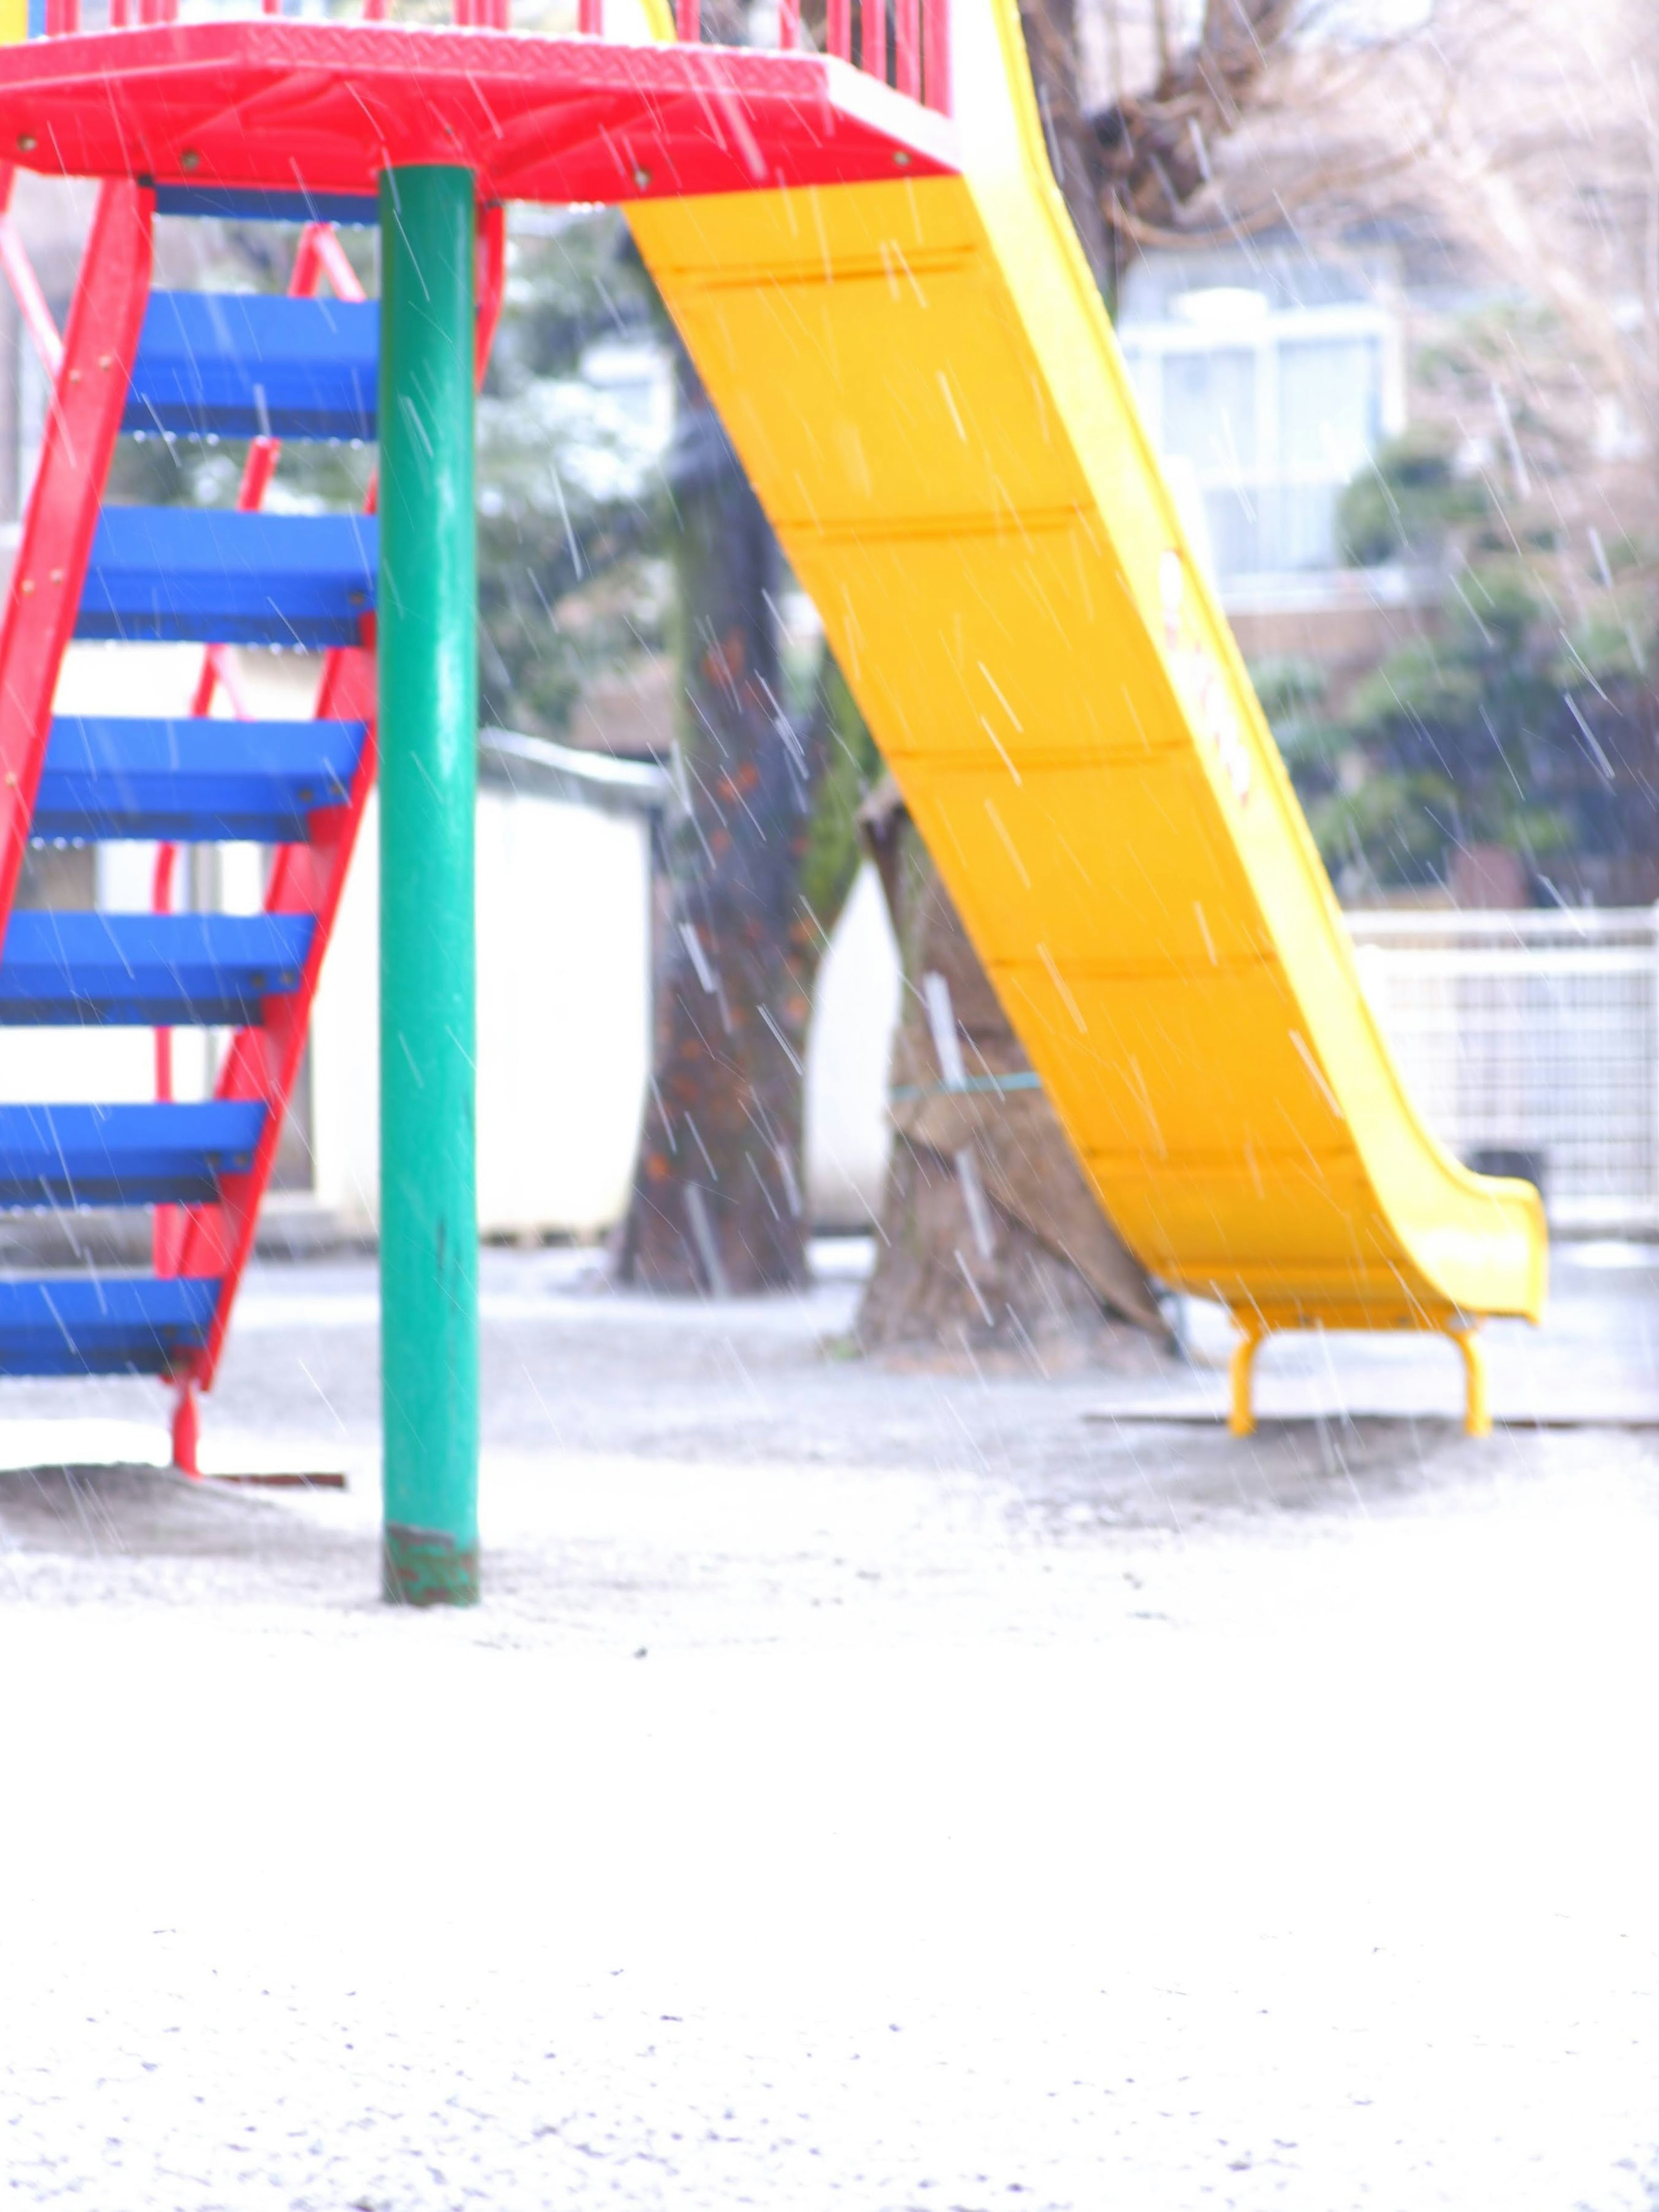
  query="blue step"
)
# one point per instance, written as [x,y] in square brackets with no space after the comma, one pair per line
[230,203]
[220,577]
[125,1155]
[104,1325]
[192,780]
[255,364]
[160,970]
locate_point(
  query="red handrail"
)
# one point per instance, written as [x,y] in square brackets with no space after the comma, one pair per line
[907,49]
[936,53]
[921,32]
[873,39]
[25,285]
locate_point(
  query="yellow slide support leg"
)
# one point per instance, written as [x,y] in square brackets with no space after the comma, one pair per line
[1477,1408]
[1241,1415]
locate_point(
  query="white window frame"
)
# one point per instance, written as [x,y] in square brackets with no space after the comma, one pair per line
[1147,345]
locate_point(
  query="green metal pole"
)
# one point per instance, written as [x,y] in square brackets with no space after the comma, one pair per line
[427,734]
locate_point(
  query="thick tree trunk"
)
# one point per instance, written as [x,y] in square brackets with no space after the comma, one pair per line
[992,1240]
[718,1203]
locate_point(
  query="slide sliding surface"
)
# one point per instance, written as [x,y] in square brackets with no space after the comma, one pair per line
[923,385]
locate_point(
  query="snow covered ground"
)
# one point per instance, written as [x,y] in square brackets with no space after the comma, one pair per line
[881,1790]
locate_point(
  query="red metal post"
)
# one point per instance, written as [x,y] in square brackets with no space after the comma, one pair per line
[492,280]
[161,902]
[839,29]
[907,49]
[81,428]
[25,285]
[165,1224]
[789,25]
[331,262]
[187,1432]
[590,18]
[873,39]
[688,22]
[936,53]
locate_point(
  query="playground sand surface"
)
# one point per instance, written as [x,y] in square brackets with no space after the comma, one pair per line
[859,1789]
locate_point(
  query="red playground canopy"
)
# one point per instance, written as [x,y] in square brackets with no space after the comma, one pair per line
[273,105]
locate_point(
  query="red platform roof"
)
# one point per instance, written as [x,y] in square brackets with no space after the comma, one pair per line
[274,105]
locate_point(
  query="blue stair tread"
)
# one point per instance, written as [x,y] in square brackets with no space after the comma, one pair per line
[104,1325]
[164,970]
[217,576]
[245,365]
[143,1155]
[228,202]
[191,780]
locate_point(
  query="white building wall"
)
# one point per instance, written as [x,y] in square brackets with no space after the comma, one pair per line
[345,1060]
[564,991]
[564,996]
[564,1010]
[855,1009]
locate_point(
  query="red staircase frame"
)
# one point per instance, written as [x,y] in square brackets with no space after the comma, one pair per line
[88,398]
[82,424]
[263,1062]
[215,1241]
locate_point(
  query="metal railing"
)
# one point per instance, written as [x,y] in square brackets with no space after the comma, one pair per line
[904,43]
[1530,1044]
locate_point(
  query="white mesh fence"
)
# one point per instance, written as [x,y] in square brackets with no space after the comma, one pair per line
[1533,1034]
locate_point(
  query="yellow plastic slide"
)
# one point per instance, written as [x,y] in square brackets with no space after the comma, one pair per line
[922,383]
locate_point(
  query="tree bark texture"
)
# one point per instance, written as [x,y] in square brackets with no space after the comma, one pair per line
[718,1204]
[1151,152]
[992,1240]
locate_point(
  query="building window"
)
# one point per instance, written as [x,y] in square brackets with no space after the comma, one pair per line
[1265,413]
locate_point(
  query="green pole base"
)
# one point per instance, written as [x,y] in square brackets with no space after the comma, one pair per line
[425,1566]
